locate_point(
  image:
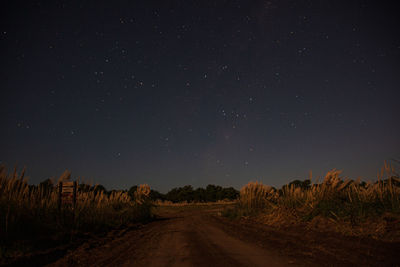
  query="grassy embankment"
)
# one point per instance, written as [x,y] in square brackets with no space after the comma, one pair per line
[30,217]
[343,205]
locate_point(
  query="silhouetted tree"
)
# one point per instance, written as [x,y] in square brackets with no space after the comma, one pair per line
[230,193]
[212,193]
[155,195]
[199,195]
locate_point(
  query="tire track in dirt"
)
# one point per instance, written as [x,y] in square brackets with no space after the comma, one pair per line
[230,250]
[186,239]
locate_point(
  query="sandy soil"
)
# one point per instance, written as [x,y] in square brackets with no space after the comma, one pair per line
[199,237]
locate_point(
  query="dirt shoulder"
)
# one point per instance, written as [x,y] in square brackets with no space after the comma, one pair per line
[197,236]
[313,247]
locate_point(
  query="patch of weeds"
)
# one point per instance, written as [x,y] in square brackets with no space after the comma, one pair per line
[230,213]
[239,211]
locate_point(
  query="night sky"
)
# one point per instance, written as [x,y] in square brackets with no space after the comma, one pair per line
[171,93]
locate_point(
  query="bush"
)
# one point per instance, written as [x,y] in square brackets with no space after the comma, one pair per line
[30,212]
[335,198]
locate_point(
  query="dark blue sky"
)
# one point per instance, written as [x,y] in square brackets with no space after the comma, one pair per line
[171,93]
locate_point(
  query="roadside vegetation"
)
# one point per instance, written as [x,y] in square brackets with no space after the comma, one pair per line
[187,194]
[349,206]
[30,217]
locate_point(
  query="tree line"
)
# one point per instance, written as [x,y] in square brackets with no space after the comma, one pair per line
[211,193]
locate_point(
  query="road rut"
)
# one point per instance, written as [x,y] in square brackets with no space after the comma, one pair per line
[183,239]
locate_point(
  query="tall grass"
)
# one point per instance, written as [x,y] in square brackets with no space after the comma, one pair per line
[335,198]
[255,196]
[28,212]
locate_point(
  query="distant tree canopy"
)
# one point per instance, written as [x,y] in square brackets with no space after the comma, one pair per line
[186,193]
[211,193]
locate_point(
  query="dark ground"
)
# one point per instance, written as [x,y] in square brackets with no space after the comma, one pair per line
[197,236]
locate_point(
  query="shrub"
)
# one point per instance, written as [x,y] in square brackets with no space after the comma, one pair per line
[28,212]
[335,198]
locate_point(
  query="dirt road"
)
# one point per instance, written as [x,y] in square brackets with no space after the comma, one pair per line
[199,237]
[187,238]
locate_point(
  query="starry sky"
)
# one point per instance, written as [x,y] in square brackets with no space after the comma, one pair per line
[171,93]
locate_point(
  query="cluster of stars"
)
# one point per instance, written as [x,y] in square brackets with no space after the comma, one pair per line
[187,81]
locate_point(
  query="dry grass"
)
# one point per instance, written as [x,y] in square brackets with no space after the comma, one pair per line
[32,212]
[255,195]
[349,206]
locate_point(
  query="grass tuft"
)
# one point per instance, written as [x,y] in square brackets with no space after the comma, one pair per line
[30,212]
[338,200]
